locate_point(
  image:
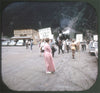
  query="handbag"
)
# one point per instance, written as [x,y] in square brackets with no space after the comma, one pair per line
[54,49]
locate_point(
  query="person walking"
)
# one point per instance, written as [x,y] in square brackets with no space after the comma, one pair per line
[60,46]
[50,68]
[73,49]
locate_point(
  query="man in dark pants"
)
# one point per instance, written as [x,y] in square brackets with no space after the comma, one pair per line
[53,50]
[83,46]
[60,46]
[52,45]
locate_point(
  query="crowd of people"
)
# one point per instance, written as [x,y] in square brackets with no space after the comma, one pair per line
[48,47]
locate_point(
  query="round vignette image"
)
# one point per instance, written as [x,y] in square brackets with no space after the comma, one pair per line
[47,44]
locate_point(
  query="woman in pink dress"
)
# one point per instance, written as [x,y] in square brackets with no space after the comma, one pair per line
[50,68]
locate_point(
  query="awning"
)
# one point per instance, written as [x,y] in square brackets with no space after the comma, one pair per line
[25,37]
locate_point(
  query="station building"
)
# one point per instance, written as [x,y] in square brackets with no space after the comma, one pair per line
[26,34]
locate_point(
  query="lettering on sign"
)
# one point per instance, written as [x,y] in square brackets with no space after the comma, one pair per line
[45,33]
[79,37]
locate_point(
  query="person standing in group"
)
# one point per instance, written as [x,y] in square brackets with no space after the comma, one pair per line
[67,45]
[50,68]
[27,45]
[63,45]
[52,45]
[77,46]
[31,44]
[60,46]
[83,45]
[73,49]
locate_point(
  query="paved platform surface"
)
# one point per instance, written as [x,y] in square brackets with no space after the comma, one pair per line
[24,70]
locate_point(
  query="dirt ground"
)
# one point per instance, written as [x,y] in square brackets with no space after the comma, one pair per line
[24,70]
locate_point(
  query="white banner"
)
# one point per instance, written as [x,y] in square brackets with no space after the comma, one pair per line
[79,37]
[95,37]
[45,33]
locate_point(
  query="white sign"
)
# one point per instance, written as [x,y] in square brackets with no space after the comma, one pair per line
[95,44]
[79,37]
[51,36]
[45,33]
[95,37]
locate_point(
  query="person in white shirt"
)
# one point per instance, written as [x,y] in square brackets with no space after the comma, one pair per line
[42,47]
[63,45]
[67,45]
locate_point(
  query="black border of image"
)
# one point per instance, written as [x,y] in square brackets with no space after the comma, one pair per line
[95,88]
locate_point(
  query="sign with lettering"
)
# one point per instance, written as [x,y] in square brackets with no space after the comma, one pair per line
[95,37]
[79,37]
[45,33]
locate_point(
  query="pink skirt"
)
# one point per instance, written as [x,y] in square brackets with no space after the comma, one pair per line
[49,62]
